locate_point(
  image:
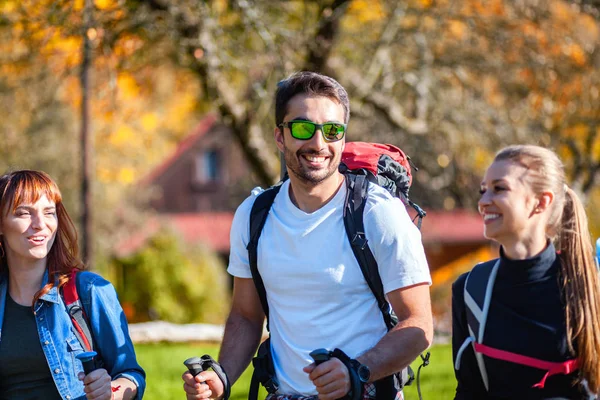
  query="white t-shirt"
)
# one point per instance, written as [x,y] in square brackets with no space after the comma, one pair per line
[316,292]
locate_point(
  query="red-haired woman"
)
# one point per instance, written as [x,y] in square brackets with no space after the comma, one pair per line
[38,253]
[527,325]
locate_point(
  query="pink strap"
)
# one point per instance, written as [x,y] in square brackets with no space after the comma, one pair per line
[552,368]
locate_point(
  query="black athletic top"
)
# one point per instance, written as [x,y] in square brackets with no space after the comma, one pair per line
[24,372]
[526,317]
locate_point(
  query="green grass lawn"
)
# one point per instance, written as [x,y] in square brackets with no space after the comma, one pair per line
[164,365]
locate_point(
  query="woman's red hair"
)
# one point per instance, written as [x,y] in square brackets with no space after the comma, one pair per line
[27,187]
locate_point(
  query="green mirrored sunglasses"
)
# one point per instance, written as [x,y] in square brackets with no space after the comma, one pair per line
[305,130]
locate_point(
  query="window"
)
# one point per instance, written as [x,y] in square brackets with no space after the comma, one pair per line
[207,166]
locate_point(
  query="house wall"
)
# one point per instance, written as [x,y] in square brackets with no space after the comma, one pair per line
[180,189]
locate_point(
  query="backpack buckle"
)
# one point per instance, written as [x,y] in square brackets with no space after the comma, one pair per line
[360,240]
[271,385]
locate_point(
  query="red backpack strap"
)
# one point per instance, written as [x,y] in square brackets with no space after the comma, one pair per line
[76,312]
[551,368]
[69,289]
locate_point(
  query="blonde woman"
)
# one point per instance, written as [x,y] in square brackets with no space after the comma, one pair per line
[527,325]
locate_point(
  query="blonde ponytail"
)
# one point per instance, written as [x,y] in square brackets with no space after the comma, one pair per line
[581,289]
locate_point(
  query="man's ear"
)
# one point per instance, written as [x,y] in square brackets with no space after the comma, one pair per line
[278,134]
[544,202]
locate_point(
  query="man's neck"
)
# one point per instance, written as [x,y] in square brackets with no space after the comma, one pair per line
[309,198]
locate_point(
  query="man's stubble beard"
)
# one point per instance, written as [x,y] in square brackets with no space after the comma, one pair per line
[307,175]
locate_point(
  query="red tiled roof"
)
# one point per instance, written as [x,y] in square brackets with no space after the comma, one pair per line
[209,228]
[213,228]
[458,226]
[203,126]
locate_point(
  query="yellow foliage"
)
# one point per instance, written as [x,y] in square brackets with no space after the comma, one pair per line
[483,8]
[106,4]
[458,29]
[563,152]
[425,3]
[482,158]
[576,53]
[126,175]
[429,23]
[127,45]
[596,146]
[577,131]
[532,30]
[7,7]
[103,174]
[366,11]
[561,11]
[220,6]
[70,91]
[409,22]
[179,109]
[128,87]
[449,272]
[588,27]
[124,135]
[593,215]
[149,121]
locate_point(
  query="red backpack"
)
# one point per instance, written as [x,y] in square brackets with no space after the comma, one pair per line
[383,164]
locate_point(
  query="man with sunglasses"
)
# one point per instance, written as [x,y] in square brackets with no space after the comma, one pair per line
[317,296]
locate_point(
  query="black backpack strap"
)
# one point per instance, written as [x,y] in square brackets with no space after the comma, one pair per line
[264,371]
[477,296]
[258,217]
[354,207]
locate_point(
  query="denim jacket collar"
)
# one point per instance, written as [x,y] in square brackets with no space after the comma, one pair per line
[52,295]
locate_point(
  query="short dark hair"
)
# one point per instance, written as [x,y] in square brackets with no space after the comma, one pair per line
[312,84]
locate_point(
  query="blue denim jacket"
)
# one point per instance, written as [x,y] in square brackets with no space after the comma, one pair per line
[60,345]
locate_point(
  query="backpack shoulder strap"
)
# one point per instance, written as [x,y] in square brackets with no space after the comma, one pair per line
[70,292]
[478,296]
[258,217]
[354,207]
[356,197]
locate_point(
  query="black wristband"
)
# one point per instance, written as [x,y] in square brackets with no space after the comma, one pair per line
[356,386]
[220,373]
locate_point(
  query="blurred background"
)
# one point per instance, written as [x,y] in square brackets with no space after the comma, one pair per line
[156,118]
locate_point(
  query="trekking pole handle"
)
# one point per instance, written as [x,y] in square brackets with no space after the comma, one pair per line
[196,365]
[320,355]
[87,359]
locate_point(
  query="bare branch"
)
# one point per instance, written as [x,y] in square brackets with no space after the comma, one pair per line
[328,28]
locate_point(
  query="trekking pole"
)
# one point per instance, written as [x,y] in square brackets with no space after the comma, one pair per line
[320,356]
[88,361]
[196,365]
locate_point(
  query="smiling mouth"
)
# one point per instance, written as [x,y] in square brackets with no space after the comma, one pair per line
[490,217]
[37,239]
[315,159]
